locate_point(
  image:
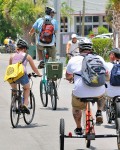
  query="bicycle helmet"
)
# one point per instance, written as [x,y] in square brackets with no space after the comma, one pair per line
[22,44]
[85,44]
[49,10]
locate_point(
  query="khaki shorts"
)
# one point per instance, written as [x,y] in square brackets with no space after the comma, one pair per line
[50,49]
[77,104]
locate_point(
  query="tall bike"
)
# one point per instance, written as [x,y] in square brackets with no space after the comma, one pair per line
[49,83]
[17,102]
[89,134]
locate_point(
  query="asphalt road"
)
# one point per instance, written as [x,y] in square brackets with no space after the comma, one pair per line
[43,132]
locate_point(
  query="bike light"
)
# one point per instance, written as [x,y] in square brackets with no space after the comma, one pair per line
[47,56]
[70,134]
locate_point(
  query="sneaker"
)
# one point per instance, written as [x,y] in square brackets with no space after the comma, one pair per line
[78,131]
[99,117]
[41,64]
[25,109]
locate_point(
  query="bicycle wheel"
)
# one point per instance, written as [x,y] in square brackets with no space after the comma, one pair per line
[62,128]
[43,93]
[14,112]
[108,111]
[53,95]
[117,112]
[88,142]
[28,118]
[118,132]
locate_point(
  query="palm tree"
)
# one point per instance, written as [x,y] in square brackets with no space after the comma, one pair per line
[115,6]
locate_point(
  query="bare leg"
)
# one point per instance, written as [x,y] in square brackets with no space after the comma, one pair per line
[77,114]
[26,93]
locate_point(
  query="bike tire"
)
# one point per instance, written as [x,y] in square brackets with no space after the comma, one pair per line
[118,132]
[53,96]
[117,109]
[43,93]
[28,118]
[108,111]
[62,131]
[88,143]
[14,112]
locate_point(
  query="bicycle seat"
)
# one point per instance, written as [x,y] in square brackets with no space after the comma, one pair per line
[89,99]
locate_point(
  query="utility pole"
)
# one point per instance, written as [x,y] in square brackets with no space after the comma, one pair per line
[34,1]
[57,4]
[83,18]
[80,24]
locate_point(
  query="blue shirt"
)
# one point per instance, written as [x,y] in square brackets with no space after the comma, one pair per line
[38,26]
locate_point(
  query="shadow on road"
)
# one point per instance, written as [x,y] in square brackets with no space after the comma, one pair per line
[58,109]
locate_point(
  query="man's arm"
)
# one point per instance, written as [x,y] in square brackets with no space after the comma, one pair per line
[32,30]
[68,47]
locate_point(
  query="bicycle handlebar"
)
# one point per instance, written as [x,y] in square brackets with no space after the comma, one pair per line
[32,75]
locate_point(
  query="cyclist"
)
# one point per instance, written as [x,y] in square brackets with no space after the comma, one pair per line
[81,90]
[50,12]
[114,56]
[21,51]
[72,46]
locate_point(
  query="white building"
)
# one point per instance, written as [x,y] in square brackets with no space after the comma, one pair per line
[94,15]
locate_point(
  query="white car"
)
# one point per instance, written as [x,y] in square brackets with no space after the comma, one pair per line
[101,36]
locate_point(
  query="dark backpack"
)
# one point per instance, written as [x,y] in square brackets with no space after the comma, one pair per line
[47,31]
[115,75]
[93,71]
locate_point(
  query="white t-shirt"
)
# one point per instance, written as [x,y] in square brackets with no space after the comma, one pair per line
[111,91]
[80,88]
[74,47]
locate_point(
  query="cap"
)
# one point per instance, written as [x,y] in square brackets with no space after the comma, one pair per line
[115,50]
[73,36]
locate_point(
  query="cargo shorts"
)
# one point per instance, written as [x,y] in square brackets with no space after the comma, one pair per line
[50,49]
[77,104]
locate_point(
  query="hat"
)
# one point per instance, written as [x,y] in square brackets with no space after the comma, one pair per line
[115,50]
[73,36]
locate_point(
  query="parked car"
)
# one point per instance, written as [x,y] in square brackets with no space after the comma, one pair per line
[110,35]
[101,36]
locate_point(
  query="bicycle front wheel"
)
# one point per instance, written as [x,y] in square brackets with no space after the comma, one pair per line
[43,93]
[53,96]
[62,128]
[108,111]
[14,112]
[118,130]
[28,118]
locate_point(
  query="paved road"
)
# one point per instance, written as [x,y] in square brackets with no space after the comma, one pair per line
[43,133]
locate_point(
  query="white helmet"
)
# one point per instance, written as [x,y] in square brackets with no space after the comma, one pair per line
[73,36]
[85,44]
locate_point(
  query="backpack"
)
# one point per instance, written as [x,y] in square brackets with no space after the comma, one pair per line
[47,31]
[14,71]
[93,71]
[115,75]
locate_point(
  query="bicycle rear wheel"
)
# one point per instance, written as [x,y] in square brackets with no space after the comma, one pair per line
[62,128]
[14,112]
[108,111]
[28,118]
[53,95]
[118,130]
[43,93]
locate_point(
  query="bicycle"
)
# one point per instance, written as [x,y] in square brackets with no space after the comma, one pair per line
[113,111]
[17,102]
[52,74]
[89,133]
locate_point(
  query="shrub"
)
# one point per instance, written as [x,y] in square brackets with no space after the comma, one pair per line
[102,47]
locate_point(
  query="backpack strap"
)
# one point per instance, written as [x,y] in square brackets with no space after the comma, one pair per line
[24,58]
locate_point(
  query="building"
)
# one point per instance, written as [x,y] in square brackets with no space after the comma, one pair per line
[94,15]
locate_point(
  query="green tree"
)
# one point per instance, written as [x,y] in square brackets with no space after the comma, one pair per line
[66,12]
[23,14]
[102,30]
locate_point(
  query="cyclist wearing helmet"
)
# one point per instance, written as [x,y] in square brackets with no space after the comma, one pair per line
[80,89]
[114,57]
[20,53]
[50,12]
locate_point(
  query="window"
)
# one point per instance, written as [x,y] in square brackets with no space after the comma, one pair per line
[88,28]
[88,18]
[104,19]
[95,19]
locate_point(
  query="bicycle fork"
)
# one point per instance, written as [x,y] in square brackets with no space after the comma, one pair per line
[90,132]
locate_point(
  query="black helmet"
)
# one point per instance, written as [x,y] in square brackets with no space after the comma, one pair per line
[49,10]
[22,44]
[85,44]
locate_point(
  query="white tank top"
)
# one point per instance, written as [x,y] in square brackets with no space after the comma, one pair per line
[74,47]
